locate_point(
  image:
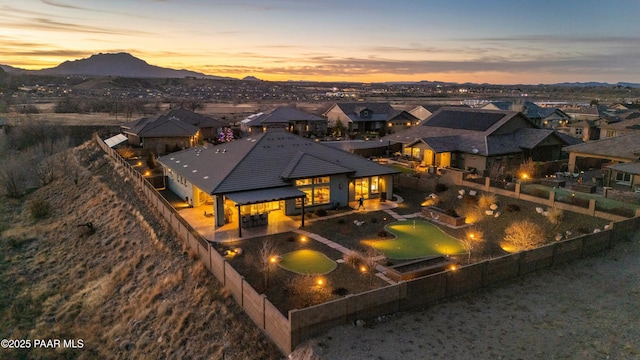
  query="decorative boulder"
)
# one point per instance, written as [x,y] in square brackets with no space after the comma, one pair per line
[493,207]
[607,227]
[489,212]
[473,193]
[460,196]
[595,231]
[539,210]
[461,192]
[545,213]
[558,237]
[497,214]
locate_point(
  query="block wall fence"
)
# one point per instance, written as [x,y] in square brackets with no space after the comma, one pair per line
[286,332]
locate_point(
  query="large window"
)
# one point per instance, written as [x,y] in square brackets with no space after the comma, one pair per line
[317,191]
[623,178]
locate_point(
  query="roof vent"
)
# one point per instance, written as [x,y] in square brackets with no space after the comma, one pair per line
[217,151]
[205,177]
[224,150]
[194,171]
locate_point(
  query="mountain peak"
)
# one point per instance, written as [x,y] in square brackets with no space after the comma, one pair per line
[119,64]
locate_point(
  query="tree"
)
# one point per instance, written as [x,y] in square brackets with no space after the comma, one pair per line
[338,129]
[267,253]
[524,235]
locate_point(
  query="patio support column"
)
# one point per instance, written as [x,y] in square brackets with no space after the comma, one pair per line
[239,222]
[303,211]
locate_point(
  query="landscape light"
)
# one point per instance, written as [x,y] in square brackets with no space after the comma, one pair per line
[320,281]
[273,259]
[363,268]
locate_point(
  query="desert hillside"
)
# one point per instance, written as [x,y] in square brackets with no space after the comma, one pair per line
[128,290]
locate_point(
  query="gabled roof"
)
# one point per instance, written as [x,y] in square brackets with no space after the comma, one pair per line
[167,127]
[267,160]
[379,111]
[475,131]
[624,147]
[528,108]
[195,119]
[281,114]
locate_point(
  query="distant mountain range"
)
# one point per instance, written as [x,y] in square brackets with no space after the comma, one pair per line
[118,64]
[126,65]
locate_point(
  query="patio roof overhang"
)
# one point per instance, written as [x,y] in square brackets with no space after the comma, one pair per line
[265,195]
[630,168]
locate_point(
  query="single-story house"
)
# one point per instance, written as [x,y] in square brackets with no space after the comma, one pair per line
[295,120]
[492,142]
[369,117]
[546,117]
[162,134]
[273,171]
[619,155]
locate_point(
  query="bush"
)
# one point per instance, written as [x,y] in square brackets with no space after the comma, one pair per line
[39,208]
[383,233]
[353,260]
[487,199]
[321,212]
[151,162]
[524,235]
[126,152]
[512,208]
[441,187]
[451,212]
[340,291]
[555,215]
[341,221]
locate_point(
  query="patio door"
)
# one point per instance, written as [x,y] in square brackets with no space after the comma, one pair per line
[362,188]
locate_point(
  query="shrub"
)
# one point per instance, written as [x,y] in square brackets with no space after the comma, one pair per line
[486,199]
[472,213]
[555,215]
[512,208]
[126,152]
[321,212]
[340,291]
[451,212]
[353,260]
[151,162]
[441,187]
[383,233]
[524,235]
[341,221]
[40,209]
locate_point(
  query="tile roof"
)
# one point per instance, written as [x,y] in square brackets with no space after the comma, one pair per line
[264,161]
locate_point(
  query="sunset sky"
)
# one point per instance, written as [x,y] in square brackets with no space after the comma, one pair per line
[499,42]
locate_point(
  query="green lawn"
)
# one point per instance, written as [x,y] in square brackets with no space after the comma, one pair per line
[307,262]
[417,241]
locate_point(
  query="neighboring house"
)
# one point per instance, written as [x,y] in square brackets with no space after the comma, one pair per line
[173,130]
[369,117]
[494,142]
[294,120]
[579,112]
[584,130]
[547,117]
[161,134]
[273,171]
[619,155]
[629,124]
[424,111]
[209,127]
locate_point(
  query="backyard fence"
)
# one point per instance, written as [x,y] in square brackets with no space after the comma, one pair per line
[301,324]
[264,314]
[578,205]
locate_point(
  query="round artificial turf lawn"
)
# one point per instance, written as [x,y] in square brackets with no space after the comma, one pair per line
[417,241]
[307,262]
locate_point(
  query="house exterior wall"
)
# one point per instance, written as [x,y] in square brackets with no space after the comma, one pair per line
[334,114]
[165,145]
[179,185]
[477,162]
